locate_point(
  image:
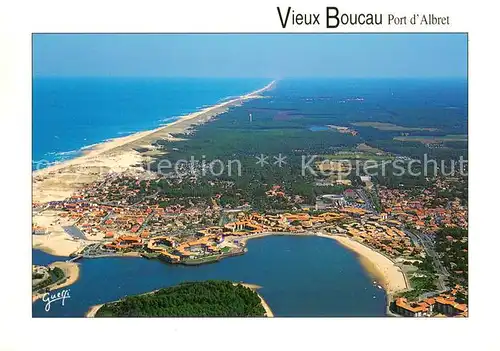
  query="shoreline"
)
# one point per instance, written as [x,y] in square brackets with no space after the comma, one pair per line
[93,311]
[378,266]
[71,274]
[254,287]
[62,180]
[383,269]
[269,312]
[112,143]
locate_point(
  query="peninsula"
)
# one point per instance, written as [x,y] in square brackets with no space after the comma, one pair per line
[190,299]
[55,276]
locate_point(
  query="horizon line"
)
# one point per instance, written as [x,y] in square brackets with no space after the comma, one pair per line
[246,77]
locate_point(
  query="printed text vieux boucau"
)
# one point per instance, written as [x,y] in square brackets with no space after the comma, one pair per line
[333,18]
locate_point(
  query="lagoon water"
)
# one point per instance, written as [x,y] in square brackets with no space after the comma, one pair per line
[72,113]
[300,276]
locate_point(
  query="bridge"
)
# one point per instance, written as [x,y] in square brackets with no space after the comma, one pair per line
[77,257]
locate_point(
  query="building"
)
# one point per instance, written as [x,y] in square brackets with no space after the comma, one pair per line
[442,305]
[334,199]
[448,306]
[411,309]
[243,227]
[37,230]
[125,242]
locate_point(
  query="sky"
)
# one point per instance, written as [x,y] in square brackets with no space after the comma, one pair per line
[250,55]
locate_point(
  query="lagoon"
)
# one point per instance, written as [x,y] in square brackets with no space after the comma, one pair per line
[300,276]
[318,128]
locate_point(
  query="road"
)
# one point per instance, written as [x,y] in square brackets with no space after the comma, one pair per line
[428,245]
[368,202]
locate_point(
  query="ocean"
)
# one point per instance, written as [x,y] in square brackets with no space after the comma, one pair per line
[70,114]
[300,276]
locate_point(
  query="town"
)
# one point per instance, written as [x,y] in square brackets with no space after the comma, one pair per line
[127,215]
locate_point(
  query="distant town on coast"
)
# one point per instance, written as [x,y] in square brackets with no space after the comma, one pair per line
[350,175]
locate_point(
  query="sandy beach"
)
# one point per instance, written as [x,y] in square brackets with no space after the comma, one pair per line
[269,313]
[263,302]
[71,271]
[56,242]
[93,310]
[382,268]
[59,181]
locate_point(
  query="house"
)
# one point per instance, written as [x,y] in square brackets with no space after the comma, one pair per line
[109,235]
[410,309]
[448,306]
[37,230]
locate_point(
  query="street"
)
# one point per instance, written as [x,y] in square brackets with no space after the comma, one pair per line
[426,242]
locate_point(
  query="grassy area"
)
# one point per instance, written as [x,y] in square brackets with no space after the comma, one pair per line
[206,259]
[412,294]
[357,156]
[423,283]
[390,127]
[363,147]
[432,138]
[150,255]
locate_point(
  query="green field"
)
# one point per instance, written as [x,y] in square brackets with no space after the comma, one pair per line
[357,156]
[205,259]
[429,139]
[390,127]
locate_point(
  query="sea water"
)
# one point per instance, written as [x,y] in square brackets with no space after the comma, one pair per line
[73,113]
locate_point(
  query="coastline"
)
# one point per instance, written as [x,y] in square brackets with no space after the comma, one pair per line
[60,181]
[379,266]
[269,312]
[195,117]
[71,273]
[93,311]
